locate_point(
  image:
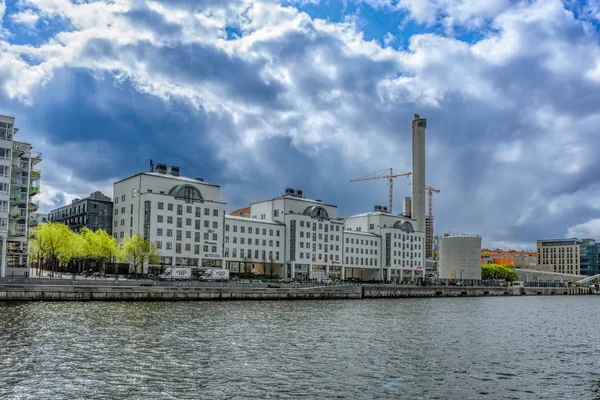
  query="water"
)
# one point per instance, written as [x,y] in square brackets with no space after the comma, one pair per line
[464,348]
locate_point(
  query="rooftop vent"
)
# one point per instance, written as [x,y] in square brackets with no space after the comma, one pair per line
[200,179]
[160,168]
[75,200]
[174,170]
[289,191]
[319,200]
[298,193]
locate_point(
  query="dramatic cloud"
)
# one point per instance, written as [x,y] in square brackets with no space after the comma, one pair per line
[262,95]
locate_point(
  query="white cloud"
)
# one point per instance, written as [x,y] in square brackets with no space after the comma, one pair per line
[27,17]
[589,229]
[521,98]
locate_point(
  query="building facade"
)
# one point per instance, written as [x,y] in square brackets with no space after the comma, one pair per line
[183,216]
[19,183]
[94,212]
[569,256]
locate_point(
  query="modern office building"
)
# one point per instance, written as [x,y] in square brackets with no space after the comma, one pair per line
[94,212]
[459,257]
[183,216]
[19,183]
[569,256]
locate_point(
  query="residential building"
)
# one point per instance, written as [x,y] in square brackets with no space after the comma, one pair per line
[93,212]
[569,256]
[19,183]
[183,216]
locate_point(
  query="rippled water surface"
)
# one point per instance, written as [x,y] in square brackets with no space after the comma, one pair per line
[464,348]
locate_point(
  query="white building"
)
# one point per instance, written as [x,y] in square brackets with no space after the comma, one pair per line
[183,216]
[459,257]
[401,249]
[19,183]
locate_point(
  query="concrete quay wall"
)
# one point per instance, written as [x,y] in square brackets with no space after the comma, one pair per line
[387,291]
[157,293]
[36,292]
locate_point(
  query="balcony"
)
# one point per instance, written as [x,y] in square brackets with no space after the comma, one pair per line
[35,173]
[18,231]
[33,205]
[14,200]
[34,190]
[36,157]
[18,182]
[20,148]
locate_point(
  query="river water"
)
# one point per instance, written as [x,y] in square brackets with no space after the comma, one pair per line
[463,348]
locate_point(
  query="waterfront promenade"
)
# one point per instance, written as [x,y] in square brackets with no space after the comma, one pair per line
[147,290]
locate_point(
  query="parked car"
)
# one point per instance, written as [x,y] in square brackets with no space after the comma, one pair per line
[326,281]
[287,280]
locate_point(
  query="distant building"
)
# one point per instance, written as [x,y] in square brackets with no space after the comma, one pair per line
[459,257]
[94,212]
[569,256]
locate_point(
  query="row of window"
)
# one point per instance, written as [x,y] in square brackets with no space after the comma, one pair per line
[248,254]
[318,225]
[362,251]
[249,240]
[256,231]
[186,246]
[363,261]
[320,236]
[318,256]
[188,234]
[319,246]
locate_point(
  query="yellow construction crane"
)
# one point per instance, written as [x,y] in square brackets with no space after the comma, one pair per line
[383,175]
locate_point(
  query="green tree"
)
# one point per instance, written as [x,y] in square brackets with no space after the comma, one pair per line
[99,246]
[135,250]
[53,242]
[496,271]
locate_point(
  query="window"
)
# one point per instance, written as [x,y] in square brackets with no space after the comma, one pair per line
[116,211]
[161,205]
[122,222]
[233,253]
[265,232]
[198,212]
[302,223]
[169,246]
[170,206]
[159,218]
[179,209]
[123,198]
[215,213]
[206,211]
[250,229]
[117,200]
[178,235]
[227,228]
[197,224]
[188,234]
[270,232]
[159,245]
[206,237]
[131,209]
[177,247]
[276,213]
[196,249]
[214,249]
[277,233]
[241,240]
[226,239]
[122,210]
[197,237]
[206,224]
[188,247]
[188,222]
[159,232]
[169,219]
[214,236]
[235,228]
[188,209]
[179,222]
[170,232]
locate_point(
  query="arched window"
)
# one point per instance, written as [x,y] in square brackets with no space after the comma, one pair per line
[405,226]
[186,192]
[316,212]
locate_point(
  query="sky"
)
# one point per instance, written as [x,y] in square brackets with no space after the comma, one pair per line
[258,96]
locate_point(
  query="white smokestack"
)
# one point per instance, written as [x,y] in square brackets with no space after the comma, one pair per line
[418,171]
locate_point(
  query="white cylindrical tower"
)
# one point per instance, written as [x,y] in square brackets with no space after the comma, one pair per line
[418,172]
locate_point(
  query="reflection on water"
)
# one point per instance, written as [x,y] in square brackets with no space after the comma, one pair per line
[466,348]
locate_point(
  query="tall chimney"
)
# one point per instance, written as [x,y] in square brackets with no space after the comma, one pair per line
[418,171]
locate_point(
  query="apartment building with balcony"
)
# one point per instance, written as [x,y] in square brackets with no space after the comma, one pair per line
[93,212]
[19,184]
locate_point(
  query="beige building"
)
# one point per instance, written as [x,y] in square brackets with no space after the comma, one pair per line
[559,255]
